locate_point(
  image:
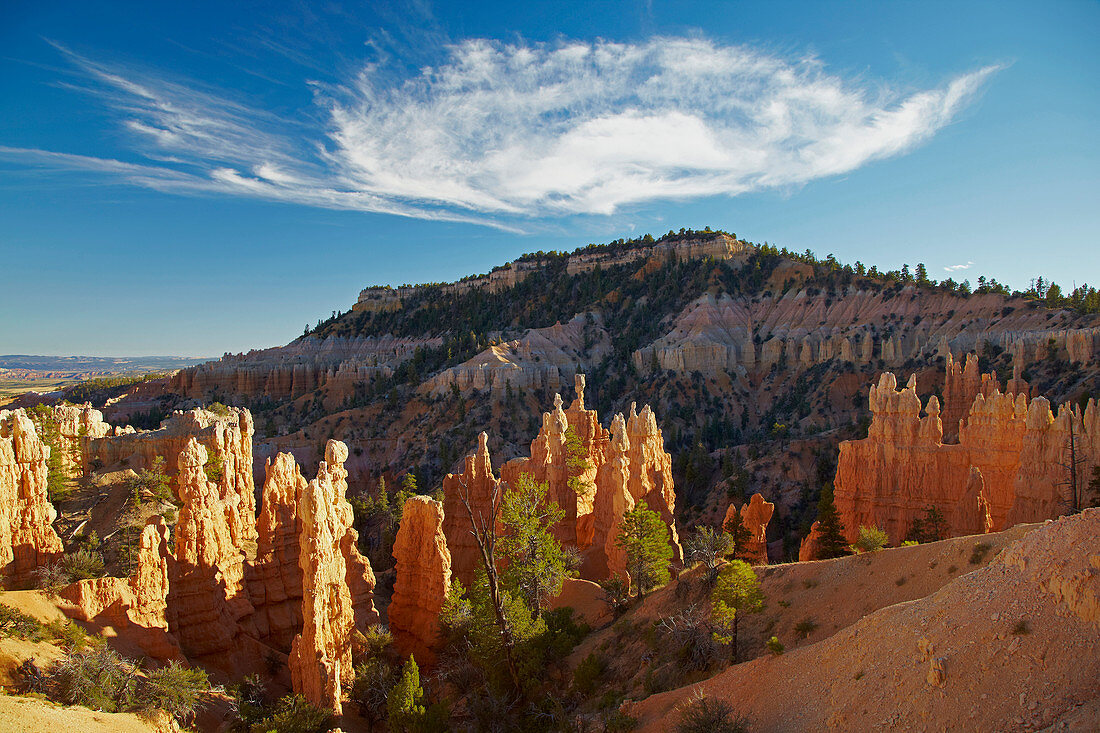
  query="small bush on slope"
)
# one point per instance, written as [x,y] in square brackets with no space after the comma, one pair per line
[701,714]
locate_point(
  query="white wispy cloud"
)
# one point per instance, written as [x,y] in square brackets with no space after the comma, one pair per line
[955,268]
[499,133]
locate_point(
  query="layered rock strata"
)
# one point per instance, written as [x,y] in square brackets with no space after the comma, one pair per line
[793,329]
[27,538]
[542,357]
[422,579]
[299,368]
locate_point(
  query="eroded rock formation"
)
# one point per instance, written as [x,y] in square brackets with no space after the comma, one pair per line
[135,607]
[566,455]
[227,440]
[1019,449]
[207,598]
[477,485]
[755,515]
[320,657]
[594,475]
[422,579]
[274,577]
[810,547]
[27,539]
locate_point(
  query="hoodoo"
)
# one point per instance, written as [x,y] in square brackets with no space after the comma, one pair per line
[320,657]
[27,539]
[422,579]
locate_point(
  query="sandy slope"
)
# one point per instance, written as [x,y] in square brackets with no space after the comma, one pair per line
[1018,642]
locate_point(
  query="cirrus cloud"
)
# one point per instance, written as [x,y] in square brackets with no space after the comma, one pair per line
[501,133]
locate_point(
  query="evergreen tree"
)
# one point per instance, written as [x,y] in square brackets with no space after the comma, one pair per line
[403,705]
[534,563]
[739,534]
[932,527]
[643,536]
[576,462]
[736,594]
[832,542]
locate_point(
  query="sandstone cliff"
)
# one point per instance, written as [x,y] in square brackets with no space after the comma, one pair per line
[27,539]
[422,579]
[1018,448]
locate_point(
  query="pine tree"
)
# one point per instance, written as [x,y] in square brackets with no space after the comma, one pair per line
[534,563]
[643,536]
[832,542]
[736,594]
[576,461]
[739,534]
[403,703]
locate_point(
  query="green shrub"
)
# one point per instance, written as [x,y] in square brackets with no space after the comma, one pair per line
[981,549]
[14,622]
[774,646]
[67,635]
[215,467]
[806,627]
[294,714]
[218,409]
[82,564]
[175,689]
[871,539]
[702,714]
[619,722]
[95,677]
[588,673]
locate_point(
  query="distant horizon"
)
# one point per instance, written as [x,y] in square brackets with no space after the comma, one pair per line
[219,175]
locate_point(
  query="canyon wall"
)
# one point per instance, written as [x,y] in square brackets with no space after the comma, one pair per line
[27,539]
[299,368]
[801,327]
[1010,464]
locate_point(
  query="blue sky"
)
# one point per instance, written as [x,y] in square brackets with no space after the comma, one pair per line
[194,178]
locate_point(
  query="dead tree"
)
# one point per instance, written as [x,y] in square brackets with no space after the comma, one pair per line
[484,531]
